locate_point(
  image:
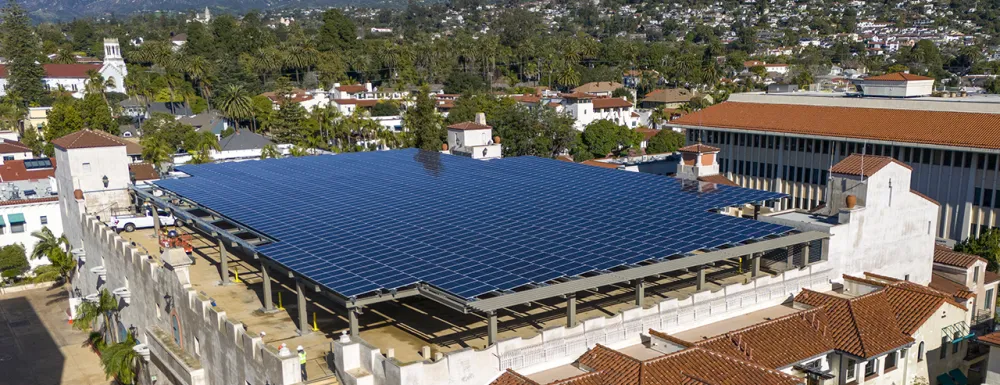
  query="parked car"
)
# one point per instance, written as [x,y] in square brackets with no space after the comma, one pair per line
[130,222]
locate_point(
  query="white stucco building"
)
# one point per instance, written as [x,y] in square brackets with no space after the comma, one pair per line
[28,202]
[897,85]
[586,108]
[73,77]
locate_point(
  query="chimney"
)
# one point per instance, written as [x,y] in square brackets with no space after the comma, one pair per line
[368,86]
[481,118]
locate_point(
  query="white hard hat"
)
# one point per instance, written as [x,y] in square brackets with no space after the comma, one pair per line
[300,347]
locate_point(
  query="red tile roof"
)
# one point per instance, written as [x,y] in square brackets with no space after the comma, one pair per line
[12,170]
[914,304]
[143,171]
[669,95]
[979,130]
[358,102]
[529,99]
[647,133]
[717,179]
[352,88]
[469,126]
[28,201]
[576,95]
[947,256]
[10,146]
[945,285]
[992,338]
[699,148]
[76,71]
[779,342]
[990,277]
[897,77]
[85,139]
[865,166]
[596,163]
[864,326]
[602,103]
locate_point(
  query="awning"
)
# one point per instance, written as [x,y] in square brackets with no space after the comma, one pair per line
[945,380]
[2,224]
[15,218]
[957,332]
[959,377]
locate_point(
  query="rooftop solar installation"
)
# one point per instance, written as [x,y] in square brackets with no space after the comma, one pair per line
[362,222]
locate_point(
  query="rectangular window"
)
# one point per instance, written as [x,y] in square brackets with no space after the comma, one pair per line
[760,169]
[871,367]
[968,159]
[852,369]
[756,141]
[843,148]
[987,197]
[8,157]
[807,178]
[86,167]
[906,154]
[826,146]
[770,142]
[991,162]
[944,348]
[770,173]
[753,169]
[927,156]
[825,177]
[798,174]
[802,145]
[977,196]
[43,219]
[981,162]
[937,157]
[988,304]
[895,152]
[16,228]
[890,361]
[975,275]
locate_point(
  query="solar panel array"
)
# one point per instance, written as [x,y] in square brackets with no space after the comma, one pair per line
[357,223]
[35,164]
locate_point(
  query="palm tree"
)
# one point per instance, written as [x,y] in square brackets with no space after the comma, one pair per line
[658,116]
[156,151]
[269,151]
[298,151]
[121,361]
[89,312]
[48,243]
[235,103]
[198,69]
[202,153]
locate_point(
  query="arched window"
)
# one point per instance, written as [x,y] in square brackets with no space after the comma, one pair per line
[175,325]
[920,352]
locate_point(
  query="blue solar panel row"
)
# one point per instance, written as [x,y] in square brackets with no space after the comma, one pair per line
[357,223]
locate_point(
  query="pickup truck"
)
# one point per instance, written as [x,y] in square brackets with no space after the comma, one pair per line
[131,222]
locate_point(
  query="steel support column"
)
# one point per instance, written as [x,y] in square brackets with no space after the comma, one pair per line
[352,316]
[755,265]
[701,278]
[223,262]
[268,303]
[156,221]
[790,257]
[640,292]
[491,328]
[300,287]
[805,255]
[570,310]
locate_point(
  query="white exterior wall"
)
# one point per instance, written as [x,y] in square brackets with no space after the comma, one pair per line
[903,89]
[993,366]
[931,365]
[16,155]
[33,213]
[85,168]
[460,138]
[560,345]
[584,113]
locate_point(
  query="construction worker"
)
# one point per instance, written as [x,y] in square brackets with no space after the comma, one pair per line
[302,361]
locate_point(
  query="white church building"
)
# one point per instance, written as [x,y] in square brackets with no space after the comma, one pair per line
[73,77]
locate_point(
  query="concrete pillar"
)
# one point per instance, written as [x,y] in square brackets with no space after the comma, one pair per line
[491,328]
[224,262]
[571,310]
[755,265]
[805,255]
[156,221]
[756,211]
[790,260]
[352,316]
[268,303]
[640,292]
[701,278]
[300,287]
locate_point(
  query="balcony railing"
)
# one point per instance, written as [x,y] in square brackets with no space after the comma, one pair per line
[981,317]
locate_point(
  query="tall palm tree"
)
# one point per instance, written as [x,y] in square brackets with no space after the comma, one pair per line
[202,153]
[156,151]
[121,361]
[48,243]
[198,70]
[88,313]
[269,151]
[235,103]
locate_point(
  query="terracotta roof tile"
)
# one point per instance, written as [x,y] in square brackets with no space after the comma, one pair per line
[897,77]
[143,171]
[669,95]
[598,87]
[864,165]
[647,133]
[979,130]
[592,378]
[718,179]
[914,304]
[708,367]
[602,103]
[530,99]
[992,338]
[617,368]
[990,277]
[596,163]
[85,139]
[699,148]
[947,256]
[510,377]
[779,342]
[469,126]
[10,146]
[352,88]
[945,285]
[28,201]
[359,102]
[576,95]
[12,170]
[75,71]
[864,326]
[131,147]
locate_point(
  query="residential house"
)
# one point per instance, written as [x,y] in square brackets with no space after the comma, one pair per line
[598,89]
[28,202]
[206,122]
[36,118]
[586,108]
[671,98]
[13,150]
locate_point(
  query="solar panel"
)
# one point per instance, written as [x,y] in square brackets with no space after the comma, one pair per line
[34,164]
[357,223]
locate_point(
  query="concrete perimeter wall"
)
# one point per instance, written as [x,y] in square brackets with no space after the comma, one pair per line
[358,363]
[213,349]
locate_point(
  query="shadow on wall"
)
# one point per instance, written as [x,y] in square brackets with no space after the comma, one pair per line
[29,353]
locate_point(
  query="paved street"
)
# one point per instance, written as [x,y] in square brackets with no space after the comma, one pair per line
[38,346]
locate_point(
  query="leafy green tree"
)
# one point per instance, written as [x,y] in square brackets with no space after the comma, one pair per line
[20,46]
[461,82]
[604,137]
[986,245]
[97,115]
[13,261]
[206,142]
[64,119]
[269,151]
[424,122]
[337,33]
[30,138]
[665,141]
[385,108]
[622,92]
[121,361]
[162,127]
